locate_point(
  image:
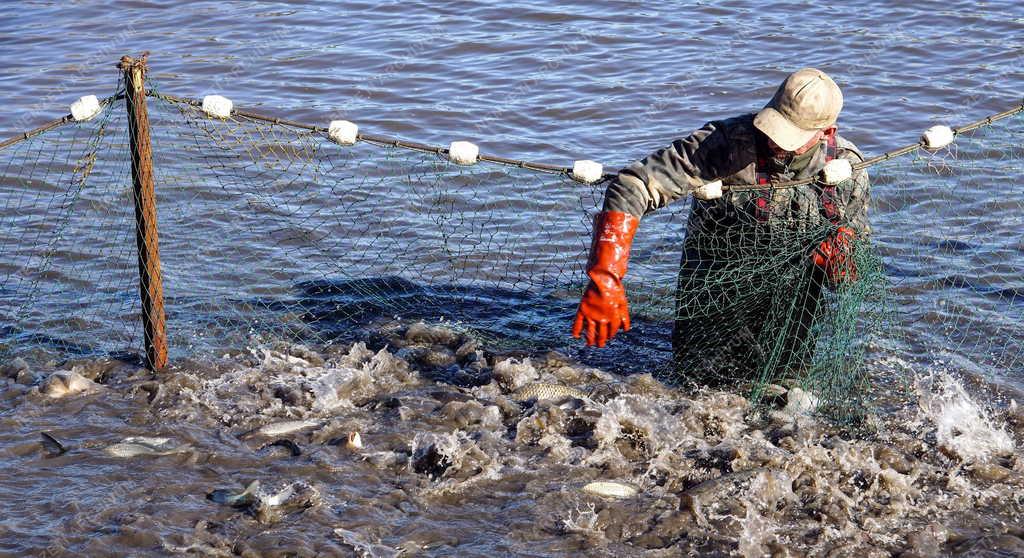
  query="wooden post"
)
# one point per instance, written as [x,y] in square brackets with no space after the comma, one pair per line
[150,283]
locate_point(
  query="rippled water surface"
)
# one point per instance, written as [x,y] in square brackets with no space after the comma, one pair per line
[452,463]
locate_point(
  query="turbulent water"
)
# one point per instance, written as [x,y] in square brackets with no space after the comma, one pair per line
[421,443]
[405,438]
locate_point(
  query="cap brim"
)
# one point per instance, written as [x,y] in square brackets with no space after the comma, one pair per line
[784,133]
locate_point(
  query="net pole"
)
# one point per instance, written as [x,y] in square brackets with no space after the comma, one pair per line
[150,282]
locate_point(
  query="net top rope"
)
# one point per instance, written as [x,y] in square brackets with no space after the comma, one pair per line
[583,171]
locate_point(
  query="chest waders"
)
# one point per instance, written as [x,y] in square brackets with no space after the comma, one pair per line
[736,321]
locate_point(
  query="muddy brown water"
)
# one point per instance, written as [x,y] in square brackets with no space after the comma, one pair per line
[451,464]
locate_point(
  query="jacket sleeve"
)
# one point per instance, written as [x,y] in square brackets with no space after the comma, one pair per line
[855,194]
[670,173]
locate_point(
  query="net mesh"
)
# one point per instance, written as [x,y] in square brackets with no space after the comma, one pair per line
[66,235]
[271,232]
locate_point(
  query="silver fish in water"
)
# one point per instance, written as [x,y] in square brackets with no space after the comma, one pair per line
[236,499]
[541,391]
[143,445]
[280,428]
[268,506]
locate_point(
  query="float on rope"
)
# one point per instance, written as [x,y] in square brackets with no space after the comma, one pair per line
[836,171]
[343,132]
[85,108]
[463,153]
[587,171]
[708,191]
[937,137]
[217,106]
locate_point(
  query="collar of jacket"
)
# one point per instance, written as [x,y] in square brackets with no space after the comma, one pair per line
[793,166]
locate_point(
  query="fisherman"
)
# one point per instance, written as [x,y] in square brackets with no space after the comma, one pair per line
[727,315]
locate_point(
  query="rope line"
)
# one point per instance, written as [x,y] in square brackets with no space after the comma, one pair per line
[529,165]
[888,155]
[53,124]
[557,169]
[386,141]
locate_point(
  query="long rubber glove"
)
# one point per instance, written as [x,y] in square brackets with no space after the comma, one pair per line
[835,256]
[603,309]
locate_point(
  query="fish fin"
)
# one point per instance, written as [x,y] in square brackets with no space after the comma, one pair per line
[53,444]
[232,498]
[220,496]
[252,488]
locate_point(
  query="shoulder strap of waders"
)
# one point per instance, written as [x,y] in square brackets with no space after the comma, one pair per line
[762,177]
[828,195]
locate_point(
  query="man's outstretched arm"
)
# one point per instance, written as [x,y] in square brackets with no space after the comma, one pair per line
[670,173]
[661,177]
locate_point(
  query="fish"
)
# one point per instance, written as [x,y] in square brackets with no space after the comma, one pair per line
[143,445]
[291,446]
[363,547]
[727,487]
[267,506]
[610,489]
[541,391]
[66,382]
[52,444]
[241,499]
[279,428]
[295,497]
[354,442]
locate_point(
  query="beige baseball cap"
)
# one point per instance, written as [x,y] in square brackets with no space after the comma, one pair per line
[807,101]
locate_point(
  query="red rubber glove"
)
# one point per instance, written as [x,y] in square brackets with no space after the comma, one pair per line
[603,309]
[835,256]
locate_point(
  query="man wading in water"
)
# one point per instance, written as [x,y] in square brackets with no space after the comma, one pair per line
[720,328]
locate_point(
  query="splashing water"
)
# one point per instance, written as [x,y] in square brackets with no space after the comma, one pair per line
[962,426]
[452,462]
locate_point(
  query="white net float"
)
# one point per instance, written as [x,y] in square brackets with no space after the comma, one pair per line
[343,132]
[937,137]
[836,171]
[85,108]
[217,106]
[463,152]
[587,171]
[710,191]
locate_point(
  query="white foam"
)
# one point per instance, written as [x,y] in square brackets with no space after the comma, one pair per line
[963,427]
[584,520]
[512,374]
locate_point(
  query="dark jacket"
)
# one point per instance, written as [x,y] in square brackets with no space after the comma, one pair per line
[727,150]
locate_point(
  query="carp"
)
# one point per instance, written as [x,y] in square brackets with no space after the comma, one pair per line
[279,428]
[268,506]
[143,445]
[541,391]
